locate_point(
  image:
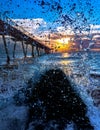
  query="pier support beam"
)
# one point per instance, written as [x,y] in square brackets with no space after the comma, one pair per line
[6,49]
[14,49]
[46,51]
[37,49]
[24,51]
[32,51]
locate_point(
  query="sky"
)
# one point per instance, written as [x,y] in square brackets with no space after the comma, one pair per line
[51,10]
[75,14]
[48,16]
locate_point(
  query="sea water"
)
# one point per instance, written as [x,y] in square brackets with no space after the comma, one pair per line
[82,68]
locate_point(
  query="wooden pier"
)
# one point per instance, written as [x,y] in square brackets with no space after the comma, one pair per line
[9,28]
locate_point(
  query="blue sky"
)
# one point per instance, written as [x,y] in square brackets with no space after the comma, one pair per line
[51,10]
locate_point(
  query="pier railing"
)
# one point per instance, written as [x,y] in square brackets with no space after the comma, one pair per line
[8,20]
[11,22]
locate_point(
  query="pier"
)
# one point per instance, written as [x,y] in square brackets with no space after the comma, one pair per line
[18,34]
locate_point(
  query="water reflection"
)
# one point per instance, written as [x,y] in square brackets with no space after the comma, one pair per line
[65,54]
[66,62]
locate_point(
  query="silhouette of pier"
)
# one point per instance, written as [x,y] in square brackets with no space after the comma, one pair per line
[9,28]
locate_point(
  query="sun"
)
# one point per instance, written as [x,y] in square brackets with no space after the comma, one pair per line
[63,40]
[62,45]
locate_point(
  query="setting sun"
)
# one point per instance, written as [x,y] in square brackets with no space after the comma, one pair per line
[63,40]
[62,45]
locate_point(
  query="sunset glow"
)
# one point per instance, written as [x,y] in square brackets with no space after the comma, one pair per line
[63,40]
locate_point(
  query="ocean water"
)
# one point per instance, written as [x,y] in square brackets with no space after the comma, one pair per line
[82,68]
[75,61]
[18,51]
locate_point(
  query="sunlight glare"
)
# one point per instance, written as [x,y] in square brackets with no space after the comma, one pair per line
[63,40]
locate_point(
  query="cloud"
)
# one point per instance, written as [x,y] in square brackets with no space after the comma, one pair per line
[31,25]
[95,26]
[40,27]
